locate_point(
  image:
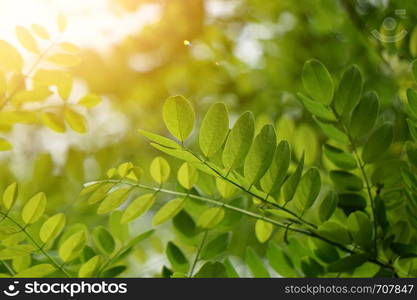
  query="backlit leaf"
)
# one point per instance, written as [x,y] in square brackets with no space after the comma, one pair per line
[260,154]
[160,170]
[263,230]
[75,120]
[52,227]
[34,208]
[113,200]
[72,246]
[179,116]
[239,141]
[168,211]
[211,217]
[187,176]
[10,195]
[138,207]
[214,129]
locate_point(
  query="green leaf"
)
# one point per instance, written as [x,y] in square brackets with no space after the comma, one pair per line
[378,143]
[214,129]
[99,193]
[280,261]
[160,140]
[184,224]
[103,240]
[274,178]
[324,251]
[334,232]
[404,250]
[90,268]
[255,264]
[15,251]
[37,271]
[225,188]
[309,189]
[26,39]
[351,202]
[168,211]
[138,207]
[75,120]
[211,217]
[215,247]
[327,206]
[187,176]
[348,263]
[177,259]
[231,271]
[290,186]
[113,200]
[349,92]
[263,230]
[346,181]
[339,158]
[212,270]
[72,247]
[317,109]
[21,263]
[10,59]
[317,81]
[10,195]
[310,267]
[360,229]
[260,155]
[364,115]
[52,227]
[179,117]
[34,208]
[239,141]
[89,100]
[160,170]
[332,132]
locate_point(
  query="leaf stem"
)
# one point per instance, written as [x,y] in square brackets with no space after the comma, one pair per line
[251,193]
[29,236]
[197,256]
[252,215]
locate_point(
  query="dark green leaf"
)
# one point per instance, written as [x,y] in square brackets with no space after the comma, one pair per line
[378,143]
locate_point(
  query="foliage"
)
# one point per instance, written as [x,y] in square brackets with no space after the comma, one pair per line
[315,179]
